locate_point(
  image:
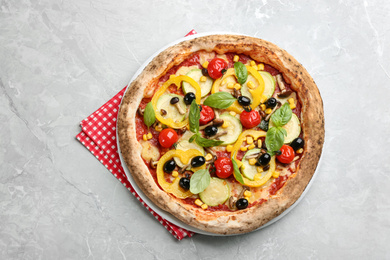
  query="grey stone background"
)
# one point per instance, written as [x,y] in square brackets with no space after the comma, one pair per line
[61,60]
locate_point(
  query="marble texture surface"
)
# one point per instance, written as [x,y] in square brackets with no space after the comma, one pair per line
[61,60]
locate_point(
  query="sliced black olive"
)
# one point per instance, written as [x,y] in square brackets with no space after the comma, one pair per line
[271,102]
[174,100]
[264,159]
[297,143]
[211,130]
[243,101]
[185,183]
[205,72]
[169,166]
[242,203]
[188,98]
[198,161]
[263,125]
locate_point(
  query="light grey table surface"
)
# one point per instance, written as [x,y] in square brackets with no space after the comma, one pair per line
[61,60]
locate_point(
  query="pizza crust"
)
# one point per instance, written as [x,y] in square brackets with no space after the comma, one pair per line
[312,117]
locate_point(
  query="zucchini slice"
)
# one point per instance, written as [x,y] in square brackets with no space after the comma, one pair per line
[185,145]
[249,171]
[205,87]
[234,128]
[269,87]
[216,193]
[164,103]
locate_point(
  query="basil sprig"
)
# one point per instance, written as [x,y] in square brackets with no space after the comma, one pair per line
[241,72]
[275,139]
[204,142]
[149,116]
[275,135]
[194,117]
[282,115]
[237,173]
[220,100]
[199,181]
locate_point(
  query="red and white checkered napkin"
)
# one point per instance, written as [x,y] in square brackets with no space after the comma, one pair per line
[98,135]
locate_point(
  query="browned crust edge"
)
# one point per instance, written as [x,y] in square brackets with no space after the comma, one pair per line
[312,118]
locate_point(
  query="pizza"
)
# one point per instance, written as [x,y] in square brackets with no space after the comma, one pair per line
[224,132]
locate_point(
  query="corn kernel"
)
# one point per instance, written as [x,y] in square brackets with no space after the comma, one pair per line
[263,107]
[242,166]
[259,143]
[300,150]
[249,140]
[175,174]
[208,157]
[204,206]
[225,124]
[252,161]
[230,85]
[263,99]
[259,169]
[244,148]
[203,79]
[253,63]
[144,137]
[247,193]
[250,147]
[275,175]
[292,106]
[291,100]
[205,64]
[172,76]
[236,58]
[158,128]
[149,136]
[268,111]
[251,85]
[198,202]
[260,66]
[229,148]
[237,86]
[233,113]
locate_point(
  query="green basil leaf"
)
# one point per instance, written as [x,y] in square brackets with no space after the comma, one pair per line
[274,139]
[199,181]
[282,115]
[192,138]
[149,116]
[237,173]
[241,72]
[283,131]
[207,142]
[220,100]
[194,117]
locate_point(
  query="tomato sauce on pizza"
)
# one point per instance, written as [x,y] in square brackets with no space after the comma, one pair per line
[216,131]
[192,67]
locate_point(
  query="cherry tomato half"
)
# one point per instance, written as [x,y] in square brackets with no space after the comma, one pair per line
[287,155]
[223,167]
[206,115]
[215,67]
[167,137]
[250,119]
